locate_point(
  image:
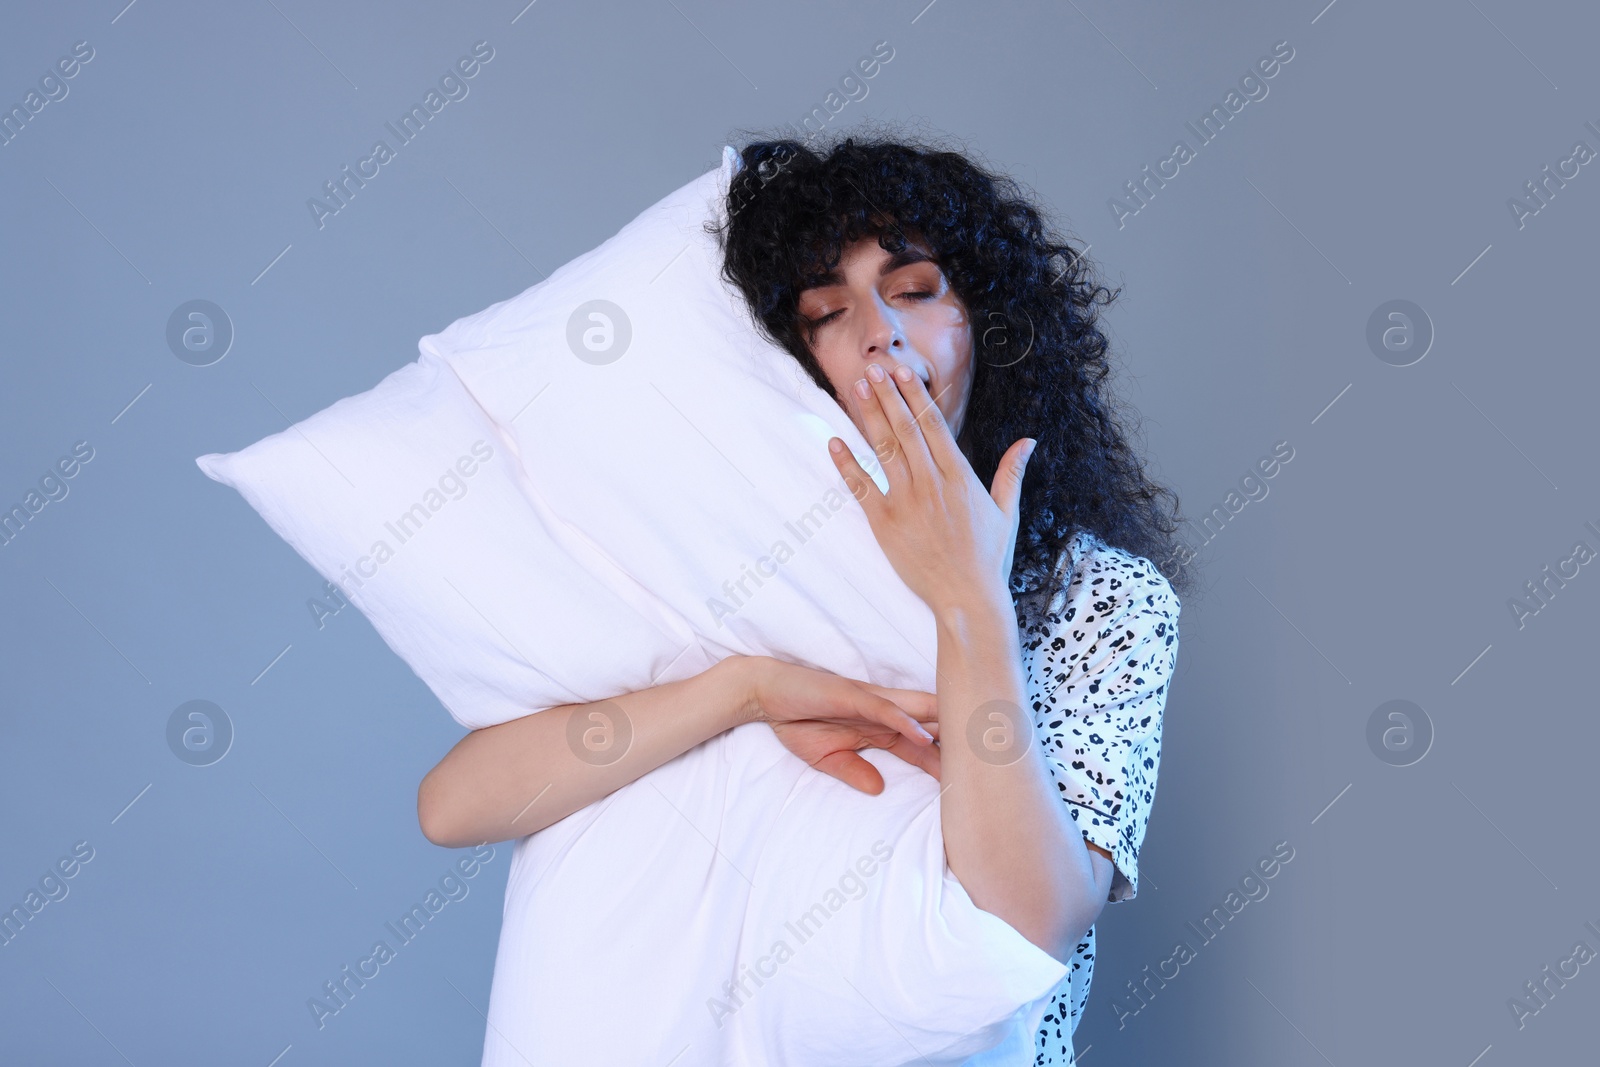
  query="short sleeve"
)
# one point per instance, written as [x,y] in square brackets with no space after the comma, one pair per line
[1099,661]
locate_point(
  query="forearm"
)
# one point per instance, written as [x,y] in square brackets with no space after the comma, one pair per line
[1008,837]
[520,776]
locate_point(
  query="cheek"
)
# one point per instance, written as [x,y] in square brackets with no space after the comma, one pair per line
[946,340]
[841,367]
[948,327]
[948,345]
[833,365]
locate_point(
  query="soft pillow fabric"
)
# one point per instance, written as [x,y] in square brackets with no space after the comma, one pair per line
[649,493]
[696,459]
[407,497]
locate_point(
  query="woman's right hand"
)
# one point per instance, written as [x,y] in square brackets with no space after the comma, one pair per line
[825,719]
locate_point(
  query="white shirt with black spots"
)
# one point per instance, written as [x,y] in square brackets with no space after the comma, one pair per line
[1098,659]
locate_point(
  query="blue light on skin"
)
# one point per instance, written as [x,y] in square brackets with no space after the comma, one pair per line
[892,309]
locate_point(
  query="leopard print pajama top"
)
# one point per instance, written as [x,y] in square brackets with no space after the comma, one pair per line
[1098,660]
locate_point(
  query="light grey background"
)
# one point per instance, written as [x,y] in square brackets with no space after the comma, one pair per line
[1419,501]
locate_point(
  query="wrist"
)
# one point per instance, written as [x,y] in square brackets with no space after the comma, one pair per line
[741,677]
[980,629]
[974,605]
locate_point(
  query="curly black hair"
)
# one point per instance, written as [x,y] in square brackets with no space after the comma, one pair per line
[1040,357]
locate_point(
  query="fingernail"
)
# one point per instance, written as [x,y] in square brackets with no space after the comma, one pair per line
[835,445]
[903,372]
[863,390]
[875,372]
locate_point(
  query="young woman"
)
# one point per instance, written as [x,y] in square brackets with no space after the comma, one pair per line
[929,299]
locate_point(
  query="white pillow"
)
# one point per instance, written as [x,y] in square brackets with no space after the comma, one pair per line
[599,549]
[407,498]
[699,424]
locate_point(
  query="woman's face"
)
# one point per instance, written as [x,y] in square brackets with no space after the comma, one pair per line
[890,309]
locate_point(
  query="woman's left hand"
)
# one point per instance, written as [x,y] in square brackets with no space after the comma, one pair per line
[948,538]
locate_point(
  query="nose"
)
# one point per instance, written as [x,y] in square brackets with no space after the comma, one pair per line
[884,337]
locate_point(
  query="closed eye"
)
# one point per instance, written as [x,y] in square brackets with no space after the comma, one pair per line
[910,294]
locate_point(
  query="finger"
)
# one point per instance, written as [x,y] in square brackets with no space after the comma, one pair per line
[852,770]
[871,721]
[918,703]
[885,711]
[856,480]
[1007,488]
[907,430]
[936,435]
[927,758]
[879,430]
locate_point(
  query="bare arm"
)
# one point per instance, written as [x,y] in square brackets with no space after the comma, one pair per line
[520,776]
[1007,836]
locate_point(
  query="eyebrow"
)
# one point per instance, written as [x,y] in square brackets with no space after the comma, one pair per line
[905,257]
